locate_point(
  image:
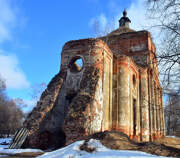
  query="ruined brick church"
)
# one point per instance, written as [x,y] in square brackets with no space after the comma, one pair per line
[116,87]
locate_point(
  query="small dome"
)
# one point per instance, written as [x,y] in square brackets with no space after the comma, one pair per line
[124,21]
[124,13]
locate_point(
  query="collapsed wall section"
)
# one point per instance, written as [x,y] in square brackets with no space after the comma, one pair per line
[90,111]
[78,101]
[43,131]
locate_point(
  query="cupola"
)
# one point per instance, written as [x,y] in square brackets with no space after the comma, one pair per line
[124,21]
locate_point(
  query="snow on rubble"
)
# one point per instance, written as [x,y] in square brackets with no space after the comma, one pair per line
[75,151]
[100,151]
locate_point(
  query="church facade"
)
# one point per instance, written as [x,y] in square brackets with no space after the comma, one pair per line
[116,87]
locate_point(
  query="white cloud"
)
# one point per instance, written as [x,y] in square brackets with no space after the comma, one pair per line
[30,104]
[26,105]
[7,20]
[103,21]
[99,23]
[11,72]
[136,12]
[9,65]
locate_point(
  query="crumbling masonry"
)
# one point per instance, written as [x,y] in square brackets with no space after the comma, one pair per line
[117,88]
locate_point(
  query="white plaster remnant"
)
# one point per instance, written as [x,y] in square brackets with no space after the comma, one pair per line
[123,119]
[98,116]
[129,88]
[139,47]
[73,80]
[146,132]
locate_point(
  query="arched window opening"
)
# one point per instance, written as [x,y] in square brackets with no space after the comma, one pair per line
[151,73]
[76,64]
[134,80]
[134,117]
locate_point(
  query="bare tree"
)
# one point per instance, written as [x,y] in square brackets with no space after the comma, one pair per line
[166,16]
[36,90]
[172,114]
[99,30]
[2,88]
[10,115]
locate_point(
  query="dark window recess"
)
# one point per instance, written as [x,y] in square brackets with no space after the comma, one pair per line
[134,80]
[70,97]
[134,117]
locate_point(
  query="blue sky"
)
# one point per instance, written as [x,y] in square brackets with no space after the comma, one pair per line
[32,33]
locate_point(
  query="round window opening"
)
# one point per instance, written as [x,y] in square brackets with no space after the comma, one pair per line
[76,64]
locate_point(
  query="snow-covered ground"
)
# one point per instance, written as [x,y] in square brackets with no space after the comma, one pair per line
[4,150]
[73,151]
[172,136]
[16,151]
[7,140]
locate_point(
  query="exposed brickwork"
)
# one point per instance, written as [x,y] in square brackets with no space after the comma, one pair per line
[117,88]
[38,136]
[82,110]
